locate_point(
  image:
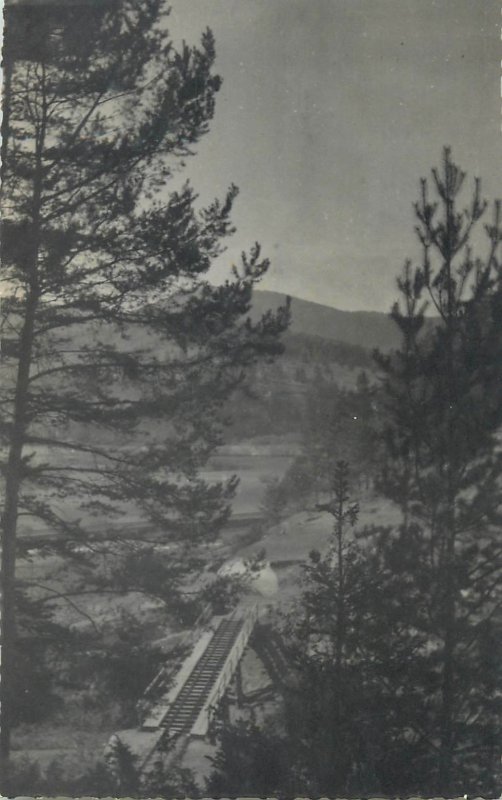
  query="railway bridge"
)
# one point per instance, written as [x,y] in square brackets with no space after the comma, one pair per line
[171,716]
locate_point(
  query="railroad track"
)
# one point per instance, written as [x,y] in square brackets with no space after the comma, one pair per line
[197,689]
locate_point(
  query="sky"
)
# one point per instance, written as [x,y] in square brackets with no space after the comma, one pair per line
[329,114]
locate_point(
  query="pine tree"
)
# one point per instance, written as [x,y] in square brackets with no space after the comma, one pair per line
[320,710]
[444,401]
[121,765]
[345,718]
[122,353]
[343,514]
[251,761]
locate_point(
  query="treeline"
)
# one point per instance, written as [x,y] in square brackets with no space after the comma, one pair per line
[309,349]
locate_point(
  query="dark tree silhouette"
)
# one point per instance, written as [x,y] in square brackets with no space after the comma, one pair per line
[395,643]
[122,353]
[444,399]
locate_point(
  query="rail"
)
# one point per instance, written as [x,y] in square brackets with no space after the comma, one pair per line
[187,638]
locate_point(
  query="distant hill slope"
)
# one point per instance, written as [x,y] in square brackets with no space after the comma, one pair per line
[368,329]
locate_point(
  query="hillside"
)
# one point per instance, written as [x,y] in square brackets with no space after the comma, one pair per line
[368,329]
[322,345]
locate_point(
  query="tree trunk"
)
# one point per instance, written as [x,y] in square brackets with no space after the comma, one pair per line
[9,531]
[340,621]
[14,463]
[447,687]
[7,90]
[446,722]
[14,479]
[448,677]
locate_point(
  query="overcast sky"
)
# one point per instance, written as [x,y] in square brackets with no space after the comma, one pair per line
[329,113]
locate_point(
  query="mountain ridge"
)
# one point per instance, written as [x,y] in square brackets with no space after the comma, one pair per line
[368,329]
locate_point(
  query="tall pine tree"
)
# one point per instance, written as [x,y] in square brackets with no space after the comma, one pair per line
[121,353]
[444,466]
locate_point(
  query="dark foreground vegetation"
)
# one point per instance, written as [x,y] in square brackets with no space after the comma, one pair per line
[122,353]
[397,637]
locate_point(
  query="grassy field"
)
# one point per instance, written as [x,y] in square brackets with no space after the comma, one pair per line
[255,462]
